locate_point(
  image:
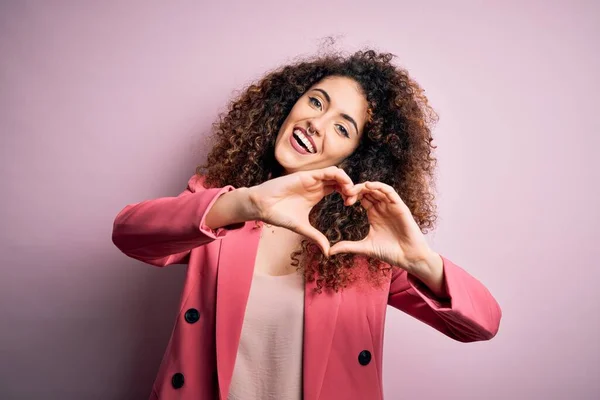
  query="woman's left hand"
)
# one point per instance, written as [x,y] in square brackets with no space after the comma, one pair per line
[394,236]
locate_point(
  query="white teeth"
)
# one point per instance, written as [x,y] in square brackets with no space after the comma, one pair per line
[307,142]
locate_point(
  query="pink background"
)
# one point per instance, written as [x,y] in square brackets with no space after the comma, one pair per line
[106,103]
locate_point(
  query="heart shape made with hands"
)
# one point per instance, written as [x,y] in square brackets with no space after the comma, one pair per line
[394,236]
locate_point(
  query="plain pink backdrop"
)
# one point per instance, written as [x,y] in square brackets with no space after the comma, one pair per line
[97,95]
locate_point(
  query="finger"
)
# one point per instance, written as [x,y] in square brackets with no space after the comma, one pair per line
[340,188]
[342,193]
[366,203]
[315,235]
[378,195]
[347,246]
[350,200]
[387,190]
[355,189]
[335,187]
[335,174]
[356,192]
[329,189]
[355,198]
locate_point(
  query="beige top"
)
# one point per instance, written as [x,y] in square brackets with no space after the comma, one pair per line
[269,357]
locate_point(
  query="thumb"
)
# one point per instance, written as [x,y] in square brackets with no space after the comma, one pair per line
[315,235]
[348,246]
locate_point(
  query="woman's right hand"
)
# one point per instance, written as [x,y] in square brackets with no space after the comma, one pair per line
[287,201]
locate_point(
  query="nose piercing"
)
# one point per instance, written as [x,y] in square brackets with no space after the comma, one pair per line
[309,131]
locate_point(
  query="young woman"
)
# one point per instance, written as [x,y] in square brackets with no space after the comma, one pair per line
[306,222]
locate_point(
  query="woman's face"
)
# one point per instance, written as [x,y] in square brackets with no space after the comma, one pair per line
[335,110]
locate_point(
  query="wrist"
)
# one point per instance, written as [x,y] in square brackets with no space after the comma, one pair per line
[231,208]
[246,204]
[429,269]
[424,263]
[253,201]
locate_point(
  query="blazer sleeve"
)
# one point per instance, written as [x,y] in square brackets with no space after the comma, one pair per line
[163,231]
[469,314]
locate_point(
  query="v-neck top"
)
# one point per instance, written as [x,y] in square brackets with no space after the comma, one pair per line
[269,357]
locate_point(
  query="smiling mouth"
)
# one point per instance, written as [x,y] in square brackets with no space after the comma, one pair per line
[303,141]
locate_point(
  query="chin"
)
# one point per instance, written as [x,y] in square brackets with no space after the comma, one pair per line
[288,167]
[291,161]
[287,159]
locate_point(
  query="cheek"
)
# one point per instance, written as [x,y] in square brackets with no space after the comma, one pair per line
[339,151]
[288,121]
[340,145]
[282,130]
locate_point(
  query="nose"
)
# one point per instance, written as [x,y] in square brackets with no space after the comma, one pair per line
[314,128]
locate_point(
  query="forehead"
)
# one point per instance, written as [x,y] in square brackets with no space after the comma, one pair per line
[346,96]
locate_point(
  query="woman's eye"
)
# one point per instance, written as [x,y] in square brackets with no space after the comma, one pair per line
[343,130]
[316,102]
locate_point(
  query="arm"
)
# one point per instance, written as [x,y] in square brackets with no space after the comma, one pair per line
[424,284]
[163,231]
[468,314]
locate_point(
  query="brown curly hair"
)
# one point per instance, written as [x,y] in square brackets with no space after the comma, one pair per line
[396,148]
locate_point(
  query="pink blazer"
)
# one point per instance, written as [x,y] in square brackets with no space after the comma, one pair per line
[343,332]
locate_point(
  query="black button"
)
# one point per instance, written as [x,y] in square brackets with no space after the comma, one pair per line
[364,357]
[192,315]
[177,380]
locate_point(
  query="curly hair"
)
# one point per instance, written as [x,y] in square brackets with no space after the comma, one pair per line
[396,148]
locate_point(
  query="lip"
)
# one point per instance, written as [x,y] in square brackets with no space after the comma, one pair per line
[310,139]
[297,147]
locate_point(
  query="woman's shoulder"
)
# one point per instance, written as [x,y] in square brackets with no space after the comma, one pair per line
[196,183]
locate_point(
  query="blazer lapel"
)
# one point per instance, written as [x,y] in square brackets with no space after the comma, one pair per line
[234,277]
[236,267]
[320,317]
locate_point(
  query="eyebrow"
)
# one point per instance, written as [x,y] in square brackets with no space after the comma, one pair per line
[345,116]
